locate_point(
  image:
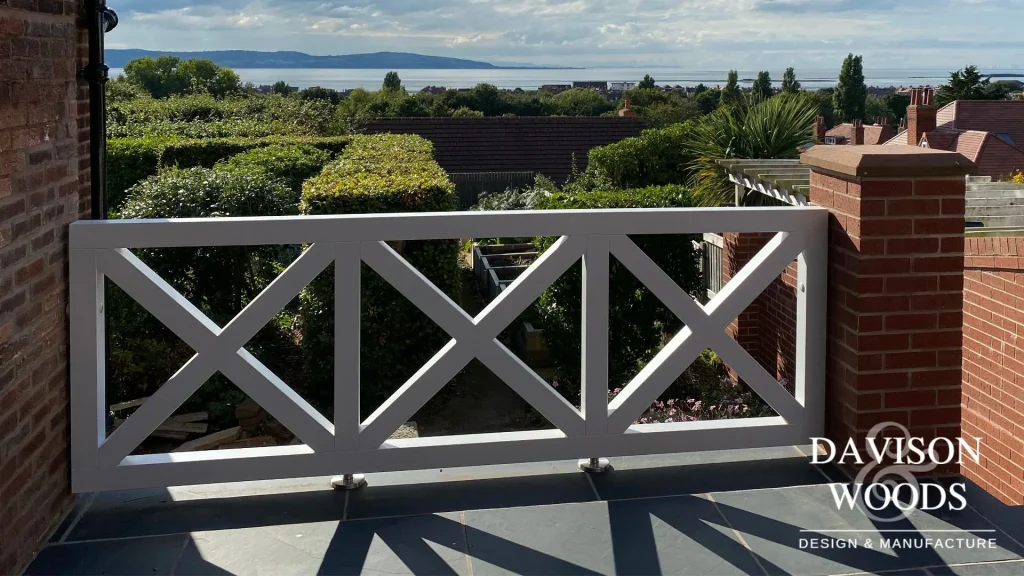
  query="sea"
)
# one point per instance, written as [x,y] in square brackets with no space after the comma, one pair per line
[533,78]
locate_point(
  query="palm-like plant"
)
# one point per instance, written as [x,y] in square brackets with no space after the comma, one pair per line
[756,129]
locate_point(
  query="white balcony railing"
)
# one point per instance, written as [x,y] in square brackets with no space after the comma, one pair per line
[350,444]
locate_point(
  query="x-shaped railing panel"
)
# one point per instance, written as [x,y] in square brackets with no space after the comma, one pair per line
[471,338]
[222,348]
[704,327]
[217,349]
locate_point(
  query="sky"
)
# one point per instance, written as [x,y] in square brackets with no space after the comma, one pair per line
[691,34]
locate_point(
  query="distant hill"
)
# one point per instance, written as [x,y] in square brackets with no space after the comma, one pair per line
[251,59]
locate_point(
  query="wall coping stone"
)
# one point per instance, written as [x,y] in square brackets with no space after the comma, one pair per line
[883,161]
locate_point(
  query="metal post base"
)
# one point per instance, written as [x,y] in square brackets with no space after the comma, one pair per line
[348,482]
[594,465]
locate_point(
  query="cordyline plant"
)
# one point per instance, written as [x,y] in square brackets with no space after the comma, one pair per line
[757,128]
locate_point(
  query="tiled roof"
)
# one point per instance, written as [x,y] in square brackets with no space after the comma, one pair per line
[993,156]
[544,145]
[998,159]
[944,116]
[941,139]
[873,134]
[1005,116]
[899,139]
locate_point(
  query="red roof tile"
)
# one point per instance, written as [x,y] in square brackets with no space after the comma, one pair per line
[899,139]
[873,133]
[997,116]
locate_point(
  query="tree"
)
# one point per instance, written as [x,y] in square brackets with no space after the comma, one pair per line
[822,99]
[467,113]
[874,108]
[772,128]
[700,88]
[577,102]
[731,95]
[850,96]
[158,76]
[392,82]
[896,104]
[969,84]
[763,85]
[708,100]
[789,81]
[281,87]
[167,76]
[318,93]
[647,82]
[674,112]
[226,83]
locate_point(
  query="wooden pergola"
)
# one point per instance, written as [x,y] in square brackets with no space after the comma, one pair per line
[785,180]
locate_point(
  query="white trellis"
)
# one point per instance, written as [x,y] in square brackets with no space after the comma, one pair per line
[349,444]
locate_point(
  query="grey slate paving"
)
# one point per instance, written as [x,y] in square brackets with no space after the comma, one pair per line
[541,518]
[410,545]
[116,557]
[773,522]
[986,569]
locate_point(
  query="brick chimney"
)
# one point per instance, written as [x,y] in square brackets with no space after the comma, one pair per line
[920,115]
[858,133]
[881,121]
[819,130]
[627,111]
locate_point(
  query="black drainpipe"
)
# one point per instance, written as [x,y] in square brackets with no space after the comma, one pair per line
[101,20]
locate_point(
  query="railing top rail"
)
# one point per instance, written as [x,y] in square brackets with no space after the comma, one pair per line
[186,232]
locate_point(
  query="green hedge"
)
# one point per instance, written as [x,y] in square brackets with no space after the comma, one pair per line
[655,158]
[637,319]
[203,116]
[220,281]
[132,160]
[380,174]
[293,163]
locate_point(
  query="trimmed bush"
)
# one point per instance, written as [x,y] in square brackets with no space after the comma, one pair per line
[203,116]
[219,281]
[132,160]
[293,163]
[380,174]
[655,158]
[637,319]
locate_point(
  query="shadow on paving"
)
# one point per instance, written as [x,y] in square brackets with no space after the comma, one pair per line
[547,524]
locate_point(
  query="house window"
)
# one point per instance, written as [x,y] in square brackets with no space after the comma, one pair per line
[830,140]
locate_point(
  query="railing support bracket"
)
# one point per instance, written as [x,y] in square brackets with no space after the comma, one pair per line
[594,465]
[348,482]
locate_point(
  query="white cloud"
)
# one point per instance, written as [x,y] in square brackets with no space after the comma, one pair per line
[698,34]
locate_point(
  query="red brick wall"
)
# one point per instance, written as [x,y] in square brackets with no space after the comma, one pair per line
[895,303]
[993,370]
[767,328]
[44,185]
[777,314]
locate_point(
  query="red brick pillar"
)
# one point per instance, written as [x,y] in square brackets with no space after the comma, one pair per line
[44,186]
[895,304]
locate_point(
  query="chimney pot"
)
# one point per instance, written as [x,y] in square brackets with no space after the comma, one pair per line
[921,116]
[627,111]
[858,133]
[819,129]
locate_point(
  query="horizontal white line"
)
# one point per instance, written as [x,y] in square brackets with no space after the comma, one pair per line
[907,531]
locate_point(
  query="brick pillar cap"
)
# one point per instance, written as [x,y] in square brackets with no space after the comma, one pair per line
[882,161]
